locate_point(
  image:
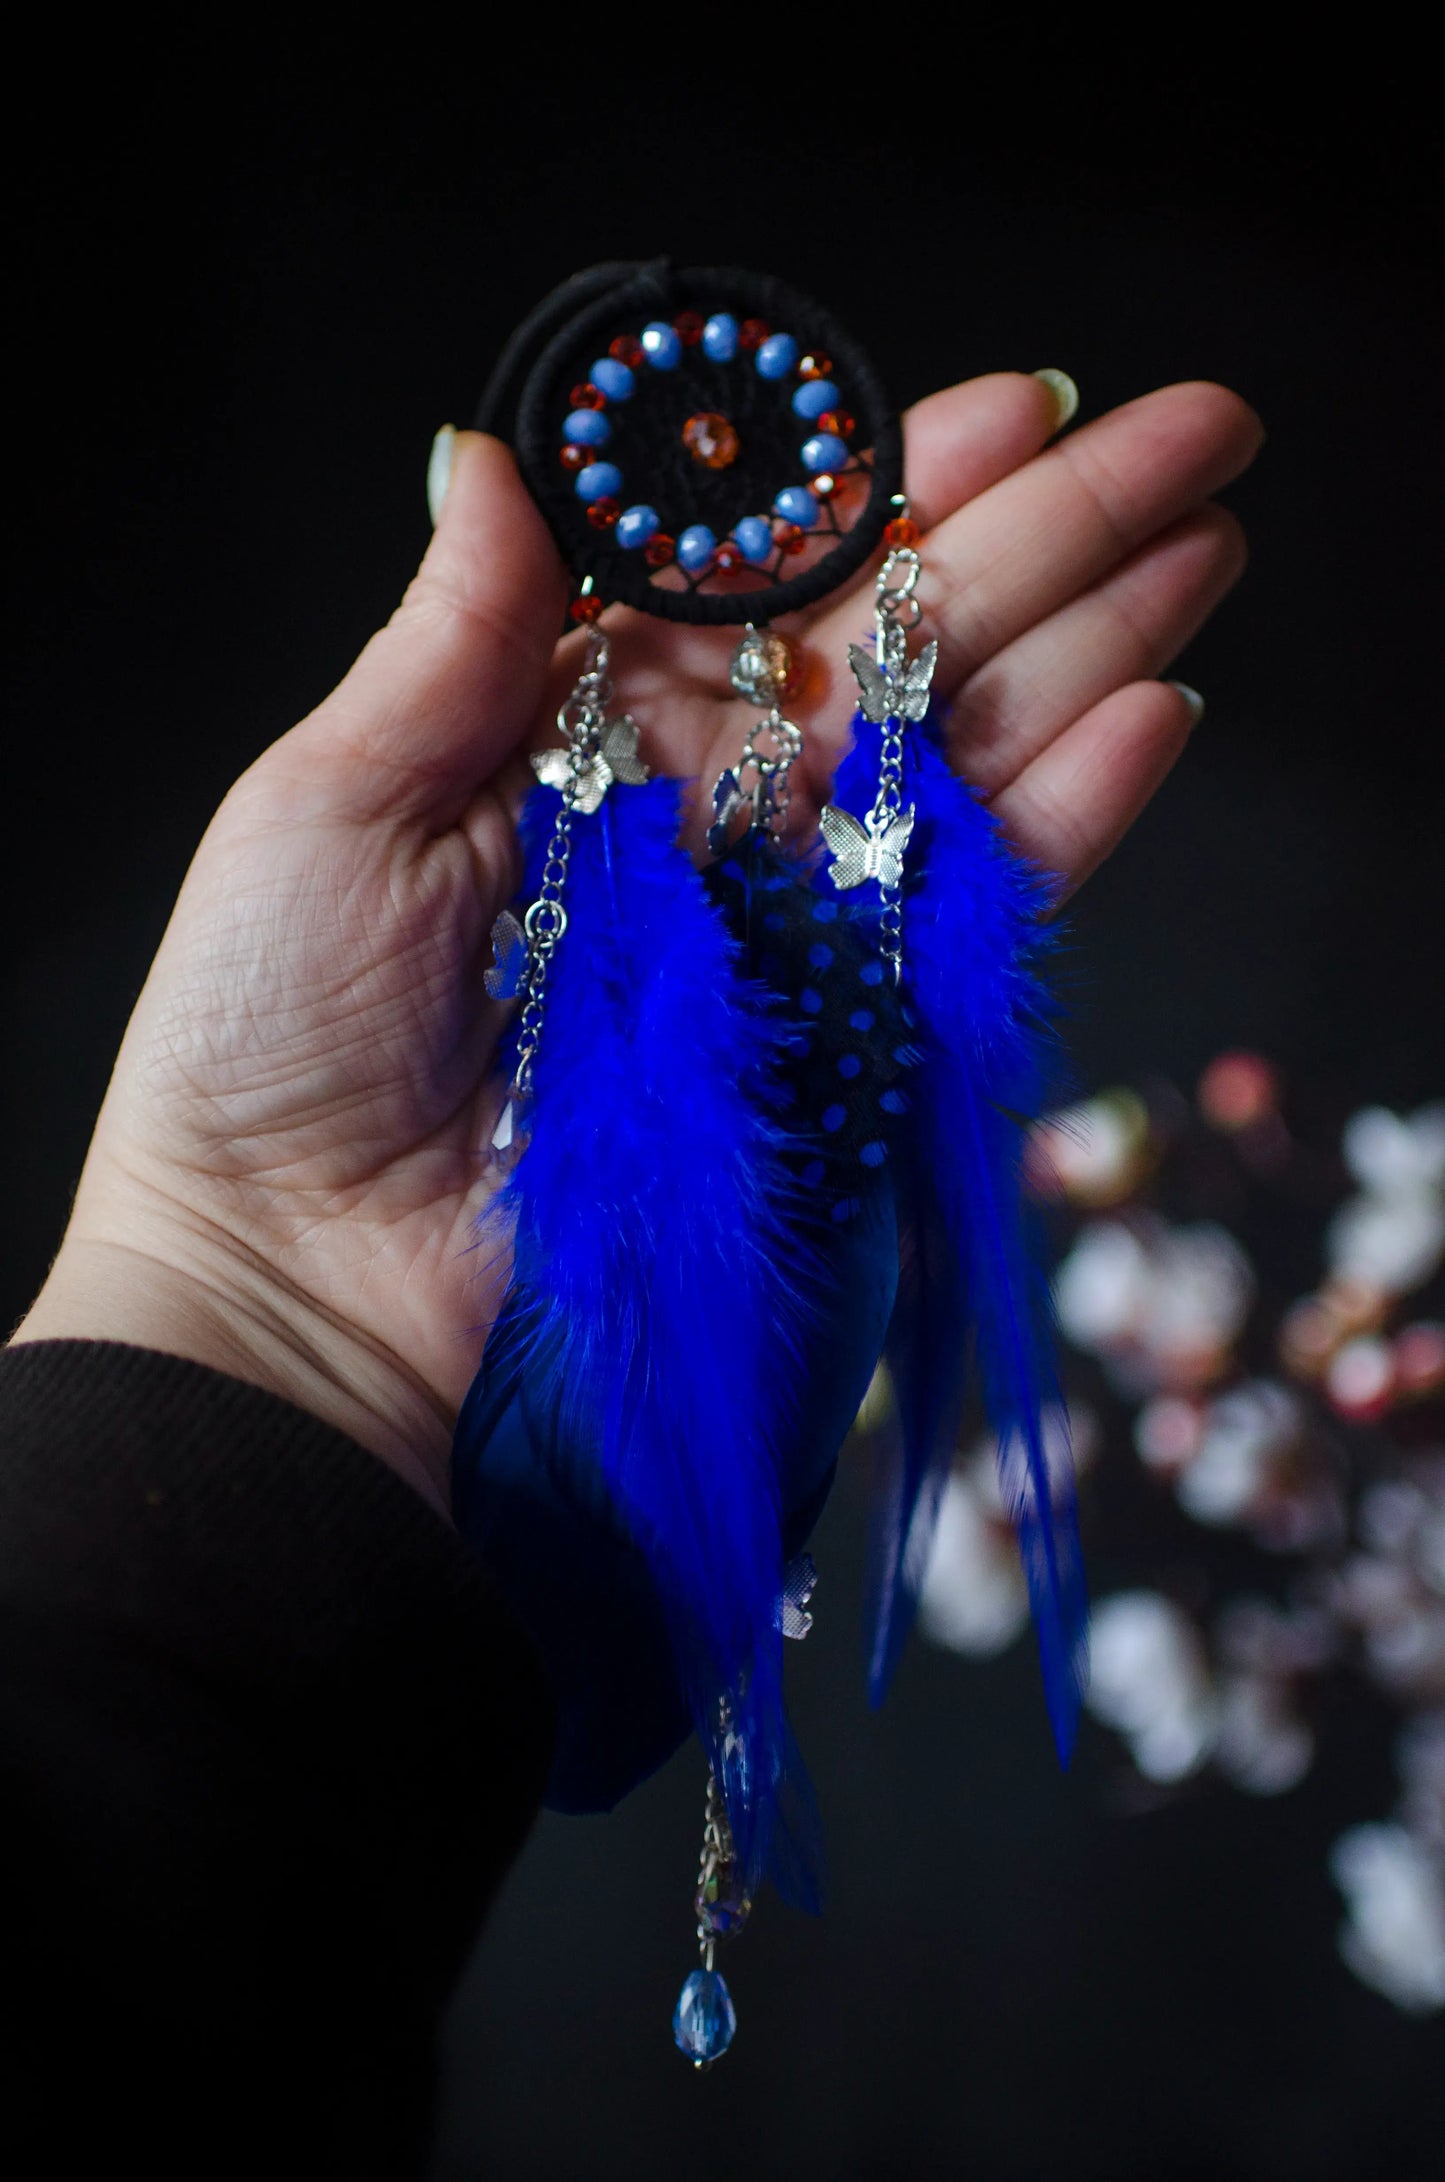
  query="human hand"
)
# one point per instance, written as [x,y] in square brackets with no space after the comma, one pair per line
[289,1161]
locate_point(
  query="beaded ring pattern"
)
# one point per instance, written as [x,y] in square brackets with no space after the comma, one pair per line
[686,432]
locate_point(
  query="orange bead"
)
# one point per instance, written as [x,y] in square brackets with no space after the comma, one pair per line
[628,350]
[711,440]
[824,486]
[789,537]
[729,557]
[839,421]
[588,609]
[816,367]
[603,514]
[574,458]
[587,396]
[902,531]
[658,550]
[753,332]
[688,327]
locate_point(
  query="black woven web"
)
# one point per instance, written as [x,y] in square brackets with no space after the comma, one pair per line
[529,399]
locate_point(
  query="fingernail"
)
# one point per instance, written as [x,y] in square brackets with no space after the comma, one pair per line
[1191,698]
[1065,393]
[439,470]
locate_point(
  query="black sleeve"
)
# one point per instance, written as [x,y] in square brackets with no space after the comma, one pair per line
[268,1742]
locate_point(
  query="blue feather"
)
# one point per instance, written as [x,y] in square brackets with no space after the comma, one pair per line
[973,1293]
[658,1308]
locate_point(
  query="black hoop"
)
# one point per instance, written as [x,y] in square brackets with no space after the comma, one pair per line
[528,399]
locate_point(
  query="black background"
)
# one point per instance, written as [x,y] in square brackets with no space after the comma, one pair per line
[250,288]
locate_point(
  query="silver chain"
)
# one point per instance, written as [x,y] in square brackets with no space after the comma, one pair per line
[896,610]
[582,721]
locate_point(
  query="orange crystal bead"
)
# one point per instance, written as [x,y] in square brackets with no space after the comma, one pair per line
[824,486]
[753,332]
[902,531]
[789,537]
[588,609]
[816,367]
[603,514]
[628,350]
[587,396]
[711,440]
[575,458]
[839,421]
[688,327]
[658,550]
[729,557]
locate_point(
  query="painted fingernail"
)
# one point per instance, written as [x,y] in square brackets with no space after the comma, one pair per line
[439,470]
[1192,699]
[1065,393]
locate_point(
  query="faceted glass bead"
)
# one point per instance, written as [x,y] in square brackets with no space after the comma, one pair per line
[790,538]
[902,531]
[658,550]
[722,1902]
[575,458]
[711,440]
[704,2021]
[816,367]
[513,1132]
[584,610]
[627,349]
[688,327]
[753,332]
[825,485]
[763,669]
[729,557]
[587,396]
[838,421]
[603,513]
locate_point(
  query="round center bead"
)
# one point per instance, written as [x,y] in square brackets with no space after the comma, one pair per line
[711,440]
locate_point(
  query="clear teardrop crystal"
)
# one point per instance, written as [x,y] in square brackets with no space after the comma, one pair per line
[513,1132]
[704,2020]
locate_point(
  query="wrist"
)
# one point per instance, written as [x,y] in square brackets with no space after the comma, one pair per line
[174,1286]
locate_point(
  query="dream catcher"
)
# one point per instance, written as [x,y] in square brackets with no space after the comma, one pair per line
[763,1120]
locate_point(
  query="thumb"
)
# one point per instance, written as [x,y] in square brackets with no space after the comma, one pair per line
[441,695]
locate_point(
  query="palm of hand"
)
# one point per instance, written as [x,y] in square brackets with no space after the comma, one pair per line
[304,1094]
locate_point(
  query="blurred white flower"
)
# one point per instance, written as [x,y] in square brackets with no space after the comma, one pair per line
[1095,1153]
[1392,1236]
[1394,1936]
[1248,1433]
[1160,1305]
[1262,1744]
[1149,1680]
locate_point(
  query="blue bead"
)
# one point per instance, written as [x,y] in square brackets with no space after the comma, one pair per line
[587,428]
[695,548]
[833,1117]
[894,1102]
[720,337]
[871,972]
[704,2021]
[820,956]
[849,1066]
[873,1155]
[663,345]
[861,1019]
[811,399]
[824,911]
[599,481]
[825,451]
[777,356]
[755,535]
[796,505]
[810,1002]
[813,1173]
[615,379]
[636,525]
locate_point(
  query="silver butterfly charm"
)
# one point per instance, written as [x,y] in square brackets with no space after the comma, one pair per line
[509,945]
[615,758]
[873,849]
[893,687]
